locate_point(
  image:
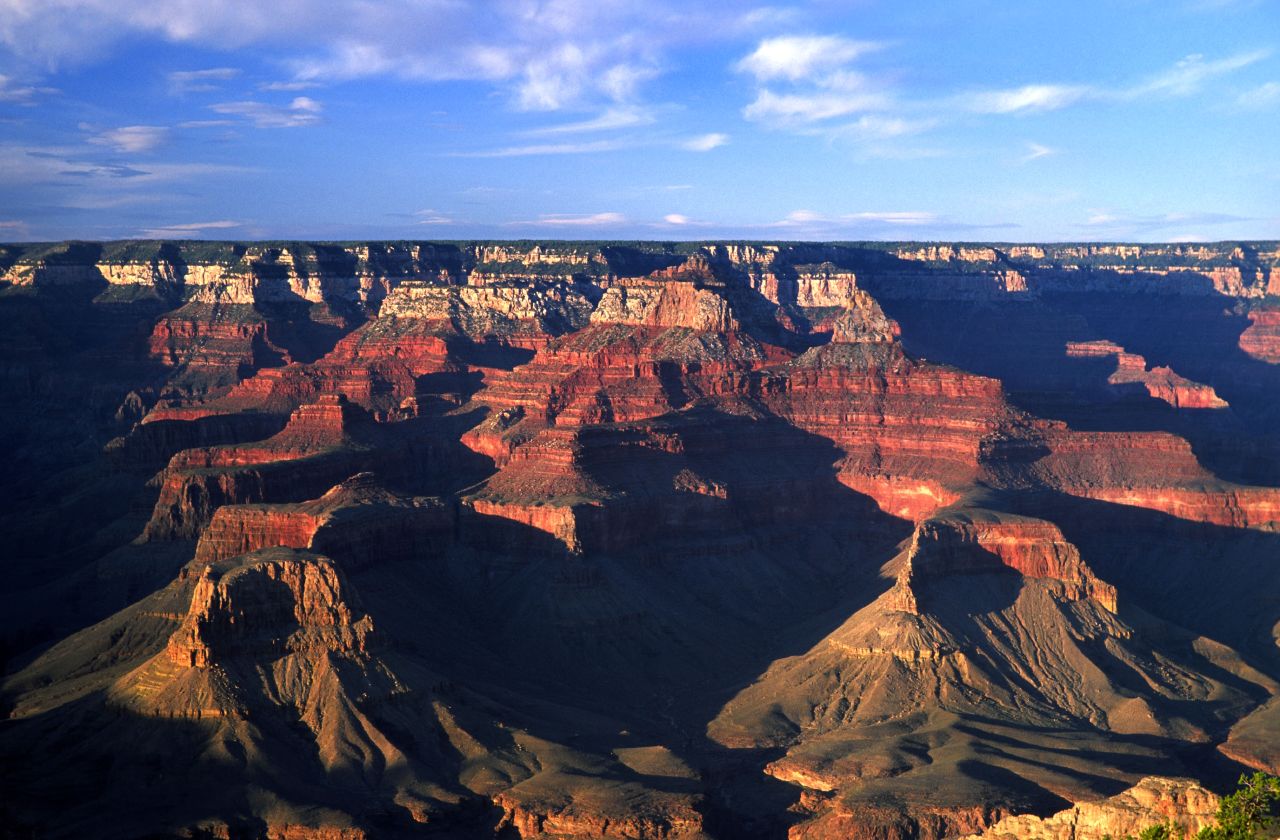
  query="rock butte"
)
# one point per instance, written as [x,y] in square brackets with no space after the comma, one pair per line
[642,540]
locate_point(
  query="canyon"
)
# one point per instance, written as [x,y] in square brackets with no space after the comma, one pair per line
[636,539]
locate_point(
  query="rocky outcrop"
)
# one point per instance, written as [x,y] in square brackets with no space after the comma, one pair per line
[244,609]
[516,313]
[677,821]
[1160,383]
[358,521]
[665,305]
[1152,801]
[1261,339]
[976,542]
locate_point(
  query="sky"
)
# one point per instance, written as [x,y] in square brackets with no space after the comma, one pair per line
[999,120]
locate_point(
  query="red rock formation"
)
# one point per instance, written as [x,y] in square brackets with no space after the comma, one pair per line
[357,520]
[978,542]
[310,453]
[242,610]
[1160,382]
[1261,339]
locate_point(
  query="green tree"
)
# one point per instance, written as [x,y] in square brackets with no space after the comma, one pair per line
[1251,813]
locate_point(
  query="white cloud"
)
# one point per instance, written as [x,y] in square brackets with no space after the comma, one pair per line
[767,18]
[1028,98]
[206,123]
[302,111]
[432,217]
[802,57]
[1035,151]
[292,85]
[552,80]
[675,219]
[190,230]
[1189,75]
[808,83]
[589,147]
[130,138]
[899,218]
[609,120]
[809,220]
[1113,223]
[811,107]
[199,81]
[13,91]
[25,164]
[579,220]
[1265,95]
[871,127]
[544,54]
[1185,78]
[705,142]
[801,217]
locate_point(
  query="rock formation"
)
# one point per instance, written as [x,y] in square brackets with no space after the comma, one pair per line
[1153,801]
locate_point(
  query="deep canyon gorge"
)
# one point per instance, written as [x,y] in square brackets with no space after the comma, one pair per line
[636,539]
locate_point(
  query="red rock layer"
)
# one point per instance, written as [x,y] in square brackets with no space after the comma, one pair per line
[307,455]
[976,541]
[1159,382]
[243,610]
[1153,470]
[1261,339]
[356,520]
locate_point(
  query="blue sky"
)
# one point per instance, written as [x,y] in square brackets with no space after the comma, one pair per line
[1005,120]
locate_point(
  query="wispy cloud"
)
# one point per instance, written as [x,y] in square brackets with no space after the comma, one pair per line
[901,218]
[854,95]
[14,227]
[432,217]
[64,165]
[190,230]
[206,123]
[302,111]
[588,147]
[13,91]
[287,86]
[610,120]
[676,219]
[129,138]
[1119,223]
[705,142]
[1189,75]
[808,218]
[1266,95]
[1185,78]
[872,127]
[182,82]
[1028,98]
[1035,151]
[578,220]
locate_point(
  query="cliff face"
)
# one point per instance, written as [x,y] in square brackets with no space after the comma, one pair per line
[636,540]
[1153,801]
